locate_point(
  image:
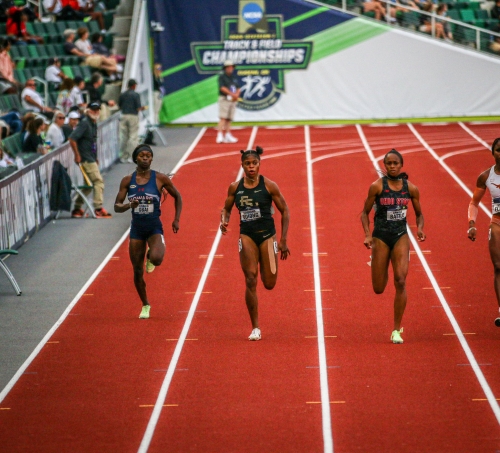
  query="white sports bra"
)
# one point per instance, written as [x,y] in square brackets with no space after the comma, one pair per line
[493,185]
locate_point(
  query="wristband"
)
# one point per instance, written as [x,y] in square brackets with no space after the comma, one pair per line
[471,228]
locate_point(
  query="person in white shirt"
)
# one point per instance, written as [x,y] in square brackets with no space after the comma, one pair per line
[53,72]
[82,43]
[75,95]
[55,134]
[32,100]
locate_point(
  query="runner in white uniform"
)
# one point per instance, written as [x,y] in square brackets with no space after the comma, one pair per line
[489,179]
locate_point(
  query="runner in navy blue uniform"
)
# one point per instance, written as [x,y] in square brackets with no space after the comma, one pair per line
[389,241]
[254,195]
[489,179]
[143,188]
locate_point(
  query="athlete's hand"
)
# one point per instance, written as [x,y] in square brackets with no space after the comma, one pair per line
[134,204]
[471,233]
[223,227]
[421,236]
[368,242]
[284,251]
[175,226]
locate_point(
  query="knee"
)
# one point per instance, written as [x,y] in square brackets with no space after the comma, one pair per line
[251,281]
[400,283]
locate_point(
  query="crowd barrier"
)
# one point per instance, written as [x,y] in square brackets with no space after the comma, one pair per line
[24,195]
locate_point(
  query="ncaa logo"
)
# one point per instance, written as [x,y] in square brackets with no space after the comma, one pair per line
[252,13]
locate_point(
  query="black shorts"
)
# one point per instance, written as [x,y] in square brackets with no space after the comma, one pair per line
[144,230]
[260,236]
[390,239]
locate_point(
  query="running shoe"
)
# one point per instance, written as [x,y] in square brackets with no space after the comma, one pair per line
[220,138]
[255,335]
[229,138]
[396,336]
[497,322]
[150,267]
[101,213]
[145,312]
[77,213]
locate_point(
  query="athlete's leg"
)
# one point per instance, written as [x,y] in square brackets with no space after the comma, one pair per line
[137,251]
[380,265]
[249,260]
[269,262]
[400,257]
[494,246]
[156,252]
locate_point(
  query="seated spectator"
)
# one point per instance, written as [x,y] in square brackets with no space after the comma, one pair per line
[13,121]
[8,85]
[76,95]
[55,134]
[72,121]
[53,72]
[101,49]
[32,100]
[55,8]
[26,119]
[441,29]
[495,10]
[94,95]
[16,26]
[376,6]
[64,102]
[5,159]
[33,142]
[95,15]
[93,60]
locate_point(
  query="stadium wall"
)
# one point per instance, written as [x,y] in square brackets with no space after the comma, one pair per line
[297,61]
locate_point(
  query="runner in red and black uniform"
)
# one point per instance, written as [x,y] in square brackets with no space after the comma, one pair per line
[389,241]
[254,195]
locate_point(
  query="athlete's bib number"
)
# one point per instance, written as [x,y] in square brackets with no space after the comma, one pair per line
[396,215]
[495,208]
[144,209]
[250,215]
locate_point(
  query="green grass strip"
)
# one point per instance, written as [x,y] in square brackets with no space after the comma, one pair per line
[301,17]
[178,68]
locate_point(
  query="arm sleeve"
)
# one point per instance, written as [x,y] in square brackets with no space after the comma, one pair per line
[79,131]
[472,211]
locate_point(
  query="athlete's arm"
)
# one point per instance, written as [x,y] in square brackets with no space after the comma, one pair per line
[228,207]
[166,184]
[473,210]
[415,201]
[122,194]
[374,190]
[280,203]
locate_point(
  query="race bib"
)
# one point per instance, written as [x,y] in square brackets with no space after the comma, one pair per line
[144,208]
[495,206]
[396,215]
[250,214]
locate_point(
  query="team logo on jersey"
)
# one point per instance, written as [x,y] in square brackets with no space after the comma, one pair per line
[255,42]
[132,187]
[496,185]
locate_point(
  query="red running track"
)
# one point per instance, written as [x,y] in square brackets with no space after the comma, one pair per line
[93,385]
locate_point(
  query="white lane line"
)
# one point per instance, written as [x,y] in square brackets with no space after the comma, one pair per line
[461,338]
[448,169]
[160,401]
[472,134]
[323,372]
[66,312]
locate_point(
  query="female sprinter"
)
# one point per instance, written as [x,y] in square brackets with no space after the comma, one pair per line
[253,196]
[144,188]
[389,241]
[490,179]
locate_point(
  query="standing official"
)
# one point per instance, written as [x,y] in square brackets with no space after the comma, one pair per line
[229,92]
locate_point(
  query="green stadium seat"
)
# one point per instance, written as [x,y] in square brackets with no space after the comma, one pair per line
[479,23]
[68,71]
[77,72]
[411,19]
[20,76]
[61,26]
[482,14]
[7,171]
[454,14]
[468,36]
[474,6]
[467,16]
[4,104]
[86,72]
[13,144]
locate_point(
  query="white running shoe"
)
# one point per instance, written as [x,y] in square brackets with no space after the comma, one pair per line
[396,336]
[220,138]
[145,312]
[255,335]
[230,139]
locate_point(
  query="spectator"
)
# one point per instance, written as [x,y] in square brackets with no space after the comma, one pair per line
[495,10]
[53,72]
[55,134]
[64,102]
[441,29]
[130,105]
[70,124]
[16,26]
[76,96]
[8,85]
[374,6]
[158,90]
[93,60]
[33,143]
[229,92]
[13,121]
[5,159]
[56,9]
[31,99]
[94,95]
[75,6]
[442,26]
[26,119]
[83,141]
[101,49]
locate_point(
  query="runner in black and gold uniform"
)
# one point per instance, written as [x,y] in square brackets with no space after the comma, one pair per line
[389,241]
[253,196]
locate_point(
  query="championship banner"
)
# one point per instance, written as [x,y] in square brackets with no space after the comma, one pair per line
[298,61]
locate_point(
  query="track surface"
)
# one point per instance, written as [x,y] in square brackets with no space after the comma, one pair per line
[94,384]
